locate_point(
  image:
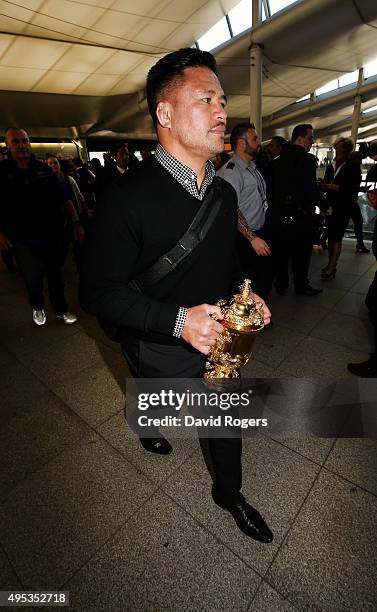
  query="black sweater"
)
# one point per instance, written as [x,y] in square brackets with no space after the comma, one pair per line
[141,217]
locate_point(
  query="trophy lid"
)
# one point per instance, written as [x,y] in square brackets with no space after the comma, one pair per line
[242,312]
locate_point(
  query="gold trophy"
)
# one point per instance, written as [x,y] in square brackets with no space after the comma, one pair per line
[243,319]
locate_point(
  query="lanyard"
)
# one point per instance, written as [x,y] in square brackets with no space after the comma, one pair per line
[261,185]
[336,171]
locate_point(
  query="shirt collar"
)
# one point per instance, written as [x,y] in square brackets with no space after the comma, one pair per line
[241,163]
[186,177]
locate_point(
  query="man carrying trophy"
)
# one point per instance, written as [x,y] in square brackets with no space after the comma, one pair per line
[163,251]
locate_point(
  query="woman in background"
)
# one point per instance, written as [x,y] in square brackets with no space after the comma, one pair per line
[341,182]
[74,195]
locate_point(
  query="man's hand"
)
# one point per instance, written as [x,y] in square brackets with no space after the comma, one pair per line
[5,243]
[78,232]
[260,247]
[265,309]
[200,330]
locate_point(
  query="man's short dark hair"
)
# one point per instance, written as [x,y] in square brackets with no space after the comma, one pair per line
[118,147]
[240,131]
[300,131]
[282,142]
[170,68]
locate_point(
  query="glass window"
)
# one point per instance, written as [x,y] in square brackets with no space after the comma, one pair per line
[330,86]
[278,5]
[349,78]
[370,69]
[240,17]
[217,35]
[372,109]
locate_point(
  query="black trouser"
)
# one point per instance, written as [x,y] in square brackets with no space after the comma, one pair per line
[150,360]
[357,219]
[78,247]
[292,241]
[35,261]
[258,268]
[371,303]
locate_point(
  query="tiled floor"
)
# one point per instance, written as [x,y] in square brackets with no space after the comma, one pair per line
[84,509]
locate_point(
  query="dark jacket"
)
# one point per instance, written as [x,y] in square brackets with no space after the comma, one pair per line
[348,178]
[292,188]
[32,202]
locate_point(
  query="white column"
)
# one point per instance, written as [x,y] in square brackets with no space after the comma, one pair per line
[256,62]
[357,108]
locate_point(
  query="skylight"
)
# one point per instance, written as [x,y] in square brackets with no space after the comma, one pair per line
[330,86]
[372,109]
[349,78]
[370,69]
[240,17]
[218,34]
[278,5]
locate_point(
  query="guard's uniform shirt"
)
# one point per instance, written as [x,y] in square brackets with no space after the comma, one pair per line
[250,187]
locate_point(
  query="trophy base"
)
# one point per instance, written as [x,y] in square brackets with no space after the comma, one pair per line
[220,371]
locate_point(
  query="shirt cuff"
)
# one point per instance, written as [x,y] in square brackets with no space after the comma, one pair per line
[180,322]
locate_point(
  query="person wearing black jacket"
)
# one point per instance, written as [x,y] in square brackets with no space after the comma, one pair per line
[292,195]
[368,369]
[31,221]
[168,330]
[341,182]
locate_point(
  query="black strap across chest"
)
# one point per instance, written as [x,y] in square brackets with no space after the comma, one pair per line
[197,231]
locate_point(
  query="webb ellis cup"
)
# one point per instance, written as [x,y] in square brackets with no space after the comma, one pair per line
[243,319]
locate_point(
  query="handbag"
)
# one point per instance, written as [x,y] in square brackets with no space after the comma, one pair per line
[167,262]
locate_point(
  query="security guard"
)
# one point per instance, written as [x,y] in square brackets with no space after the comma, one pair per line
[241,172]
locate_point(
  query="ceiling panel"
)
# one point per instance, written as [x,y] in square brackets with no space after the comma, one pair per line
[25,53]
[70,4]
[157,35]
[118,24]
[5,41]
[131,83]
[184,13]
[19,80]
[19,10]
[119,63]
[77,12]
[141,7]
[12,26]
[59,82]
[97,86]
[83,59]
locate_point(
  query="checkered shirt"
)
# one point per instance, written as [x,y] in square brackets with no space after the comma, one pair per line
[183,174]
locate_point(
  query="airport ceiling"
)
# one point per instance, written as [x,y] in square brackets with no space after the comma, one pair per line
[77,68]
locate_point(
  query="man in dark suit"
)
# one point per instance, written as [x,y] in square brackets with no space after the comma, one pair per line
[168,330]
[292,194]
[368,369]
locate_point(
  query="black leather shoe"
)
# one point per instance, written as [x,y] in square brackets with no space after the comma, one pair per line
[366,369]
[248,520]
[310,291]
[160,446]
